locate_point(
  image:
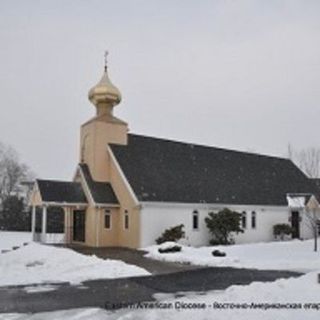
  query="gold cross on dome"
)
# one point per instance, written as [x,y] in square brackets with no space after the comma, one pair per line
[106,59]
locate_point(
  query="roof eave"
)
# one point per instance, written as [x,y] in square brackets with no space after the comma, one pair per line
[64,204]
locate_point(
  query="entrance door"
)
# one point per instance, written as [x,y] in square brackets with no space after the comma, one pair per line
[79,225]
[295,224]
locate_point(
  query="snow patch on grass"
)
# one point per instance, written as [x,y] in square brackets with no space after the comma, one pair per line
[36,263]
[9,239]
[289,255]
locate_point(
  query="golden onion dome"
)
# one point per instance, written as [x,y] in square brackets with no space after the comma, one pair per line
[104,92]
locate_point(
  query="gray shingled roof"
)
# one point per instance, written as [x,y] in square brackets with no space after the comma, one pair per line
[169,171]
[102,192]
[61,191]
[316,181]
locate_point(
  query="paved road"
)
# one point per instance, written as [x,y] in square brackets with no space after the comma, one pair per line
[135,257]
[98,293]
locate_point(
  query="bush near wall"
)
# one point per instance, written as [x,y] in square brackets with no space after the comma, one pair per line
[281,230]
[222,224]
[172,234]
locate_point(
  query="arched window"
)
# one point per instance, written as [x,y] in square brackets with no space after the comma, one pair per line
[244,220]
[126,219]
[253,220]
[195,220]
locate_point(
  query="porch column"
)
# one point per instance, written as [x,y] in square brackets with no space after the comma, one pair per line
[67,225]
[33,223]
[44,224]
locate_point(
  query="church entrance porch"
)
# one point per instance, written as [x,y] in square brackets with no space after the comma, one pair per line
[63,196]
[58,224]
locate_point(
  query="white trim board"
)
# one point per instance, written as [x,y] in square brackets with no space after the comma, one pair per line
[208,206]
[83,179]
[64,204]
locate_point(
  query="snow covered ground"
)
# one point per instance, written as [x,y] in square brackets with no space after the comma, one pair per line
[8,239]
[289,255]
[36,263]
[293,299]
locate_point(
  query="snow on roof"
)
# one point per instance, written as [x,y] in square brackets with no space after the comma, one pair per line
[297,201]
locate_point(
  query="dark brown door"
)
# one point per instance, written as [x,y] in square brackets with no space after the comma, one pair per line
[79,225]
[295,224]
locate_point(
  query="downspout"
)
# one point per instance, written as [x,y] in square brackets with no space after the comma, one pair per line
[98,227]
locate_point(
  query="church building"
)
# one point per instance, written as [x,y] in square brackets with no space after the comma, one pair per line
[127,188]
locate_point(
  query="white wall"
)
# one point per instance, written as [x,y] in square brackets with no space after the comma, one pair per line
[266,218]
[156,217]
[154,220]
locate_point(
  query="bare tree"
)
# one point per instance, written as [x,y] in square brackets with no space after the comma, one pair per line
[12,172]
[308,160]
[312,215]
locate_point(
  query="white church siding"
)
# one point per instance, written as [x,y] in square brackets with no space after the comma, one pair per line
[266,218]
[156,217]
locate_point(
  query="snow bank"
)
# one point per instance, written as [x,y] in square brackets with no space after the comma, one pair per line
[9,239]
[73,314]
[303,291]
[289,255]
[36,263]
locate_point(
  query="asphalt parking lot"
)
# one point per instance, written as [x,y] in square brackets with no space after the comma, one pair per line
[113,293]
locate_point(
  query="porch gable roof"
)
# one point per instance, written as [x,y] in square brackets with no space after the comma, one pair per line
[61,192]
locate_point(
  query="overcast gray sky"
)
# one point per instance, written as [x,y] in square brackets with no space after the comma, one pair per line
[237,74]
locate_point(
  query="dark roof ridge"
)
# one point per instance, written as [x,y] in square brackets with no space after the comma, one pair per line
[209,147]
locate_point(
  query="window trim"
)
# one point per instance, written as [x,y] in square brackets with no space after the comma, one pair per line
[108,213]
[195,213]
[126,222]
[244,224]
[253,220]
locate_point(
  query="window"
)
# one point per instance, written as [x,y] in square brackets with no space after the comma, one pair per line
[126,219]
[107,219]
[195,220]
[253,220]
[244,220]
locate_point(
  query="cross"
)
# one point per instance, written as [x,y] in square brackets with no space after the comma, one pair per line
[106,59]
